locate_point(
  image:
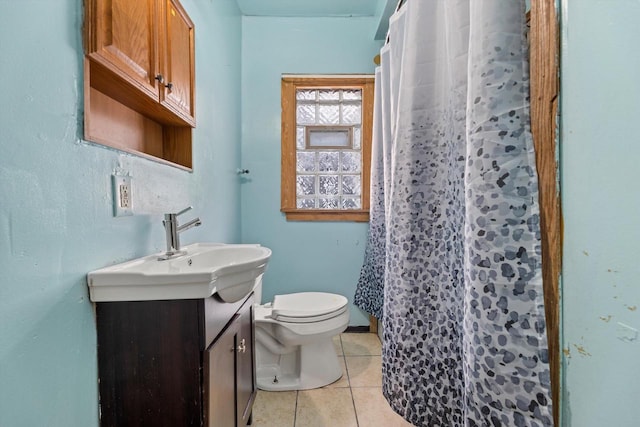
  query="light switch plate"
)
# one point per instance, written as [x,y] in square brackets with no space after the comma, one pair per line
[122,195]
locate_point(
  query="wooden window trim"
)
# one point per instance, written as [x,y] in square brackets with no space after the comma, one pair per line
[288,157]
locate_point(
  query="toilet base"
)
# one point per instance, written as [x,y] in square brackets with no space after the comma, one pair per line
[309,366]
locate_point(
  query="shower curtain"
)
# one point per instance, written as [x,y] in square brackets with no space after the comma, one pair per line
[453,263]
[370,289]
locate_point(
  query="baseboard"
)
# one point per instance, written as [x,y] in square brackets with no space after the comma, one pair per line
[357,329]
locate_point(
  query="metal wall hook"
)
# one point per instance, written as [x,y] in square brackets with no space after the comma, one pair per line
[242,171]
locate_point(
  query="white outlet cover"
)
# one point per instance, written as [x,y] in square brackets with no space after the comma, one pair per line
[120,183]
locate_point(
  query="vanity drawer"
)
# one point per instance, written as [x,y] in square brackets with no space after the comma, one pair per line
[216,315]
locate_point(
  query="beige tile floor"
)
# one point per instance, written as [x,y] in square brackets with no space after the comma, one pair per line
[355,400]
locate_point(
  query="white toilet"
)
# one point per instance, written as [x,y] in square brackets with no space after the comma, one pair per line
[294,339]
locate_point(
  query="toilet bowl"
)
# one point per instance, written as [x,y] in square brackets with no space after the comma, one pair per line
[294,340]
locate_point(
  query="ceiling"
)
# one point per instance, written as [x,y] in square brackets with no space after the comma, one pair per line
[311,8]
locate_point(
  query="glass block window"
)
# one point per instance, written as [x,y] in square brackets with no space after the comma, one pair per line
[326,140]
[326,121]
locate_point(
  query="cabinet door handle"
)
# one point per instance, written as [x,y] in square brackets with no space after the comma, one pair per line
[169,85]
[159,78]
[242,347]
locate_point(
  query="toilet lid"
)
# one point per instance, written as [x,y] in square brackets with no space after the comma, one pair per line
[303,305]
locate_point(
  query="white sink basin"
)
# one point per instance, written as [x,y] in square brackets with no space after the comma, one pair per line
[207,268]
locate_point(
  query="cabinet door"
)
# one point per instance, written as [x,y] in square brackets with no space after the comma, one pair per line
[122,38]
[246,363]
[220,367]
[178,61]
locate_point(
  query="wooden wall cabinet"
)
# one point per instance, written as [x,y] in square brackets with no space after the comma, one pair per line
[176,363]
[140,77]
[177,57]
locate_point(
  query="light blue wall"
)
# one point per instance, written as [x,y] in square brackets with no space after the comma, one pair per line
[306,256]
[56,219]
[385,9]
[600,151]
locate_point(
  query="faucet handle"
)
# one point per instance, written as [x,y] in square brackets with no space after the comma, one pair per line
[187,209]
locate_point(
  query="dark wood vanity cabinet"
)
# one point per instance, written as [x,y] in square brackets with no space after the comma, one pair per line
[231,352]
[176,363]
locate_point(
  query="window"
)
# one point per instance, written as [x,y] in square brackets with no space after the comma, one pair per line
[326,147]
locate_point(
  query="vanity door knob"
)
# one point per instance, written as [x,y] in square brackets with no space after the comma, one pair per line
[159,78]
[169,85]
[242,347]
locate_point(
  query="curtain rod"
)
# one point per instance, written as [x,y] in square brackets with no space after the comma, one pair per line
[403,2]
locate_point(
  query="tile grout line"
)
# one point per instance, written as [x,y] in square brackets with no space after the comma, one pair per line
[346,368]
[353,402]
[295,409]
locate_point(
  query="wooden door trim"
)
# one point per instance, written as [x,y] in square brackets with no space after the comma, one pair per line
[544,71]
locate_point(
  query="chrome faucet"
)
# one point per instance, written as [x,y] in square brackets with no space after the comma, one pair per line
[172,232]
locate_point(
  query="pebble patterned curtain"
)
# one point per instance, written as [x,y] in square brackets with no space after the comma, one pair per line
[370,288]
[453,260]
